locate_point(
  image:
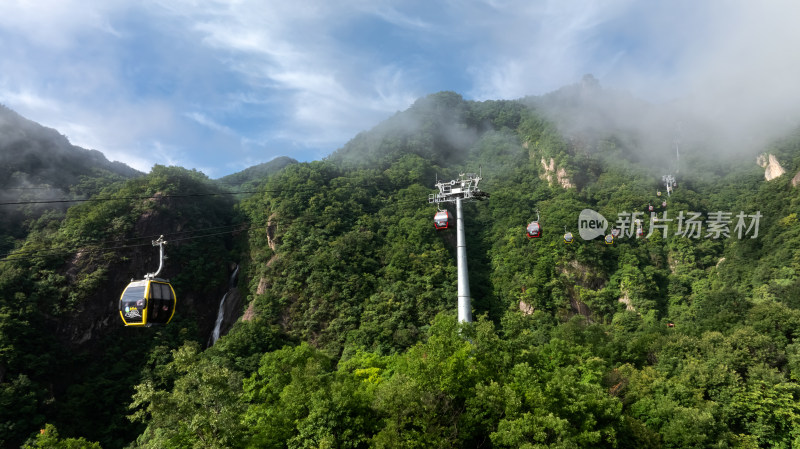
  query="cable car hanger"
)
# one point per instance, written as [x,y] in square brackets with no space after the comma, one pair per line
[160,243]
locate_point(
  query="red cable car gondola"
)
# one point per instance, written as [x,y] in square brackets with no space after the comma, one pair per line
[639,230]
[533,230]
[442,219]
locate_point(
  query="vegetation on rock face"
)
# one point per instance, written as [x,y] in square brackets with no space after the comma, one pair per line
[64,356]
[351,338]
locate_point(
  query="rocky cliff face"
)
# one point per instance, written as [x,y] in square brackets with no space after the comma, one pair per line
[98,316]
[796,180]
[556,175]
[772,168]
[271,228]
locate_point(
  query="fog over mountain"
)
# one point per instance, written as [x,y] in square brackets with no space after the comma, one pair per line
[32,155]
[724,69]
[40,164]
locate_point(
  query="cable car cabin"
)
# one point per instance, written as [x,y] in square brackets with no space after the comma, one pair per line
[649,208]
[664,204]
[443,219]
[534,231]
[609,239]
[150,302]
[568,238]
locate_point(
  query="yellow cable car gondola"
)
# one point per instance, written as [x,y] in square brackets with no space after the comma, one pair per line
[568,238]
[150,301]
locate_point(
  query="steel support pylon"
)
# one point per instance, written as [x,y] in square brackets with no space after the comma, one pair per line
[454,191]
[464,306]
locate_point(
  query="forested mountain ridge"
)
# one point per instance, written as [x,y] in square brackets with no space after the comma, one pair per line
[37,164]
[256,173]
[350,338]
[33,155]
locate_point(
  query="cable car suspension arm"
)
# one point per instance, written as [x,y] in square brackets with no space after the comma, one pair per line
[160,244]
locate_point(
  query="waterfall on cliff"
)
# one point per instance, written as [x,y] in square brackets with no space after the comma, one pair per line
[221,312]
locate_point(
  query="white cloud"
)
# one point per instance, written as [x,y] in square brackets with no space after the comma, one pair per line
[207,122]
[28,100]
[395,17]
[529,48]
[291,48]
[57,23]
[285,57]
[248,78]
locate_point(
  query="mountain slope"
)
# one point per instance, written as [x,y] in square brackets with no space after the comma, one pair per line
[32,155]
[39,164]
[257,172]
[350,335]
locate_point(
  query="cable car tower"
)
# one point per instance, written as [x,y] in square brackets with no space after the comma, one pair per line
[676,140]
[465,188]
[669,182]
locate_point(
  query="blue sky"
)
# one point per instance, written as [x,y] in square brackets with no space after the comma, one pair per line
[223,85]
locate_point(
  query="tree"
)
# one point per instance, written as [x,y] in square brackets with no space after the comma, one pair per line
[202,410]
[48,439]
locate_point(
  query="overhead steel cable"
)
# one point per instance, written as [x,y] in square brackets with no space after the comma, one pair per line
[144,238]
[175,236]
[90,249]
[121,243]
[186,195]
[94,248]
[142,197]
